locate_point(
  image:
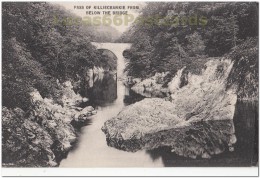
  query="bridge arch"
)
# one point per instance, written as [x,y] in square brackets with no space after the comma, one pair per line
[109,53]
[117,49]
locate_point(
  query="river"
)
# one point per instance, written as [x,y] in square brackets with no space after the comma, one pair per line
[109,96]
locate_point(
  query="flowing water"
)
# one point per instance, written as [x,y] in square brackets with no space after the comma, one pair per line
[109,96]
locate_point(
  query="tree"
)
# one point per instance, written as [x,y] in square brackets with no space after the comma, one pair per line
[195,44]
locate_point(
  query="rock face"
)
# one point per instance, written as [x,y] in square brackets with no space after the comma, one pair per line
[44,135]
[151,123]
[175,83]
[197,122]
[152,87]
[25,143]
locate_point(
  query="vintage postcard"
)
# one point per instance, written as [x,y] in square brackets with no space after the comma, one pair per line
[130,84]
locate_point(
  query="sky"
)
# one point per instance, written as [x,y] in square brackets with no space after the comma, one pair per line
[88,7]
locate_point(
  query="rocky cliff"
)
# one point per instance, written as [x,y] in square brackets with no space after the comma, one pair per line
[44,135]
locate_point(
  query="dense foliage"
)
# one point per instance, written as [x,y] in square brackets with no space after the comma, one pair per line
[244,73]
[171,35]
[38,51]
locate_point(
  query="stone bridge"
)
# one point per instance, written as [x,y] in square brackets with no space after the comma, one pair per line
[117,49]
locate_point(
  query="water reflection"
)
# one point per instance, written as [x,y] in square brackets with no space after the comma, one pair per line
[103,91]
[112,96]
[108,96]
[92,149]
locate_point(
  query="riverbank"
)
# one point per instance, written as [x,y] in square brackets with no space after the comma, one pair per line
[41,113]
[43,136]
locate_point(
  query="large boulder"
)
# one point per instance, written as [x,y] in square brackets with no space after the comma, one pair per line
[152,123]
[197,122]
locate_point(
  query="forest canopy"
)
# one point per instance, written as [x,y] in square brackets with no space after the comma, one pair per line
[37,52]
[159,46]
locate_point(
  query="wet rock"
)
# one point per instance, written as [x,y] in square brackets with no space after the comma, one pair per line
[79,122]
[87,110]
[82,118]
[152,87]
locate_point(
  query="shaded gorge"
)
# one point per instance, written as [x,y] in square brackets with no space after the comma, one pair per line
[218,138]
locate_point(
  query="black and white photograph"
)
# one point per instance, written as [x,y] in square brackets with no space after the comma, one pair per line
[130,84]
